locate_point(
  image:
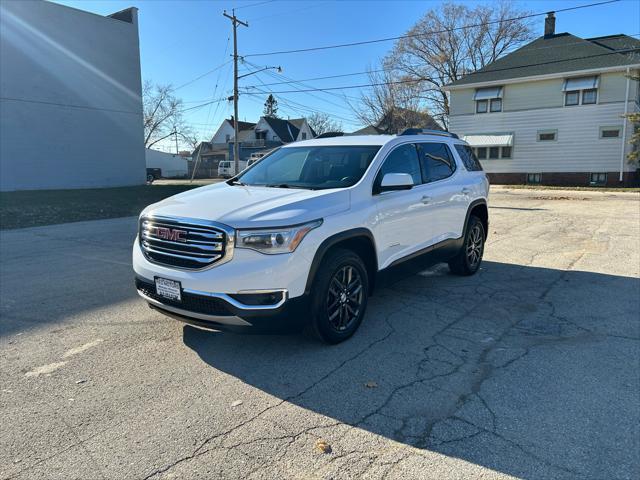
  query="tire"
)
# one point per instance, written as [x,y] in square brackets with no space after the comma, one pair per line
[150,178]
[469,258]
[336,313]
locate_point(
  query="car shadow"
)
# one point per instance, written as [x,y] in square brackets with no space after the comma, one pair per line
[519,369]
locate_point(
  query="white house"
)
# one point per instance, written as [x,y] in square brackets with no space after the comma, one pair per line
[553,111]
[170,164]
[70,98]
[226,133]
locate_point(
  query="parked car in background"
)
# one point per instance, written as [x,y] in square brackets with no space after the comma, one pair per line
[307,229]
[226,168]
[153,174]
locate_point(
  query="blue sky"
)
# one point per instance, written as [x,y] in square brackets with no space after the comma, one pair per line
[180,40]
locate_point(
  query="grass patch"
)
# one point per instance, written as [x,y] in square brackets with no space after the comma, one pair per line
[578,189]
[48,207]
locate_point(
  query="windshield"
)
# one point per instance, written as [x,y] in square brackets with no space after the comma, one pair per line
[311,167]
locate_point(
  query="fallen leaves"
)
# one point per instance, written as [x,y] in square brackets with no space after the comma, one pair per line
[237,403]
[323,446]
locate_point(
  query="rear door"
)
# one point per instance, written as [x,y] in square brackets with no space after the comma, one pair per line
[445,194]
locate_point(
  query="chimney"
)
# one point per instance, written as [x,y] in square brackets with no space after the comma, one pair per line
[550,24]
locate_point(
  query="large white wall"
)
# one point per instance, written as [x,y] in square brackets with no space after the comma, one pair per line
[70,98]
[171,165]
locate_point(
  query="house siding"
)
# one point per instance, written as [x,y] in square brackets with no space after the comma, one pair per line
[578,147]
[543,94]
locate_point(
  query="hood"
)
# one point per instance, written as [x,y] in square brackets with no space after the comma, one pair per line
[253,207]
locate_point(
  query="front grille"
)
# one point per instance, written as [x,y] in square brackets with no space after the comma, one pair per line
[190,302]
[182,243]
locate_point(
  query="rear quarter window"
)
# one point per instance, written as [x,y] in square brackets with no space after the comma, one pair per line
[468,158]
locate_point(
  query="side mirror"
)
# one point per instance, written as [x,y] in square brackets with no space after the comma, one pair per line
[396,181]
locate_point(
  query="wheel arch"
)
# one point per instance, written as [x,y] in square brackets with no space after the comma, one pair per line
[478,208]
[359,240]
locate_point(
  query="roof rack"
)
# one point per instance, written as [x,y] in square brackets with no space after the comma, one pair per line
[330,134]
[425,131]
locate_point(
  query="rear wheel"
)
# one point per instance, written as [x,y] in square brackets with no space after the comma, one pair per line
[467,261]
[339,296]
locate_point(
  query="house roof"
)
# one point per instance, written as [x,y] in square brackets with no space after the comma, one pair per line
[285,129]
[558,53]
[299,122]
[402,115]
[368,130]
[242,125]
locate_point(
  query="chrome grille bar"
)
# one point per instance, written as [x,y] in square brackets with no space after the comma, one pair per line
[185,243]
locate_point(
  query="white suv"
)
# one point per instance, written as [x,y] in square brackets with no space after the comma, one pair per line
[304,232]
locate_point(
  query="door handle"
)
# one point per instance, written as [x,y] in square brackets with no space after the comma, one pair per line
[425,199]
[466,191]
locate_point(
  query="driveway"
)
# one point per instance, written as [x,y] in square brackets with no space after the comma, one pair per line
[528,369]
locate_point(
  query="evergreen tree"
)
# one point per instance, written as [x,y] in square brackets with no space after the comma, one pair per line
[271,107]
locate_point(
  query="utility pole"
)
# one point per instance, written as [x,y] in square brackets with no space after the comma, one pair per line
[236,144]
[175,131]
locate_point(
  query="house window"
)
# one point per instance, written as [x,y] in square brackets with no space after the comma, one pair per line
[547,135]
[609,132]
[506,152]
[589,96]
[580,91]
[481,152]
[598,179]
[488,99]
[227,137]
[304,135]
[534,178]
[572,98]
[494,152]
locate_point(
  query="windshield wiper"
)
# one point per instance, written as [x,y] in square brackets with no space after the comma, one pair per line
[286,185]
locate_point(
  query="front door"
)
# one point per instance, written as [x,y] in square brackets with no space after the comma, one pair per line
[401,225]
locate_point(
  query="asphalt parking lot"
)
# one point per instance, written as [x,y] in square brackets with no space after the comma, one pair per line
[529,369]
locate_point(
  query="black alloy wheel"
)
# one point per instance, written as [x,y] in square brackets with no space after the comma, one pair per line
[344,297]
[339,296]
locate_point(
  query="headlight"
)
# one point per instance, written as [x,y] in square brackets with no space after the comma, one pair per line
[275,240]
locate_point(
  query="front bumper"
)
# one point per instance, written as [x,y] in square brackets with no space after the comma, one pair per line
[271,308]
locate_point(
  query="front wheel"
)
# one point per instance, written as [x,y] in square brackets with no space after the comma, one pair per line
[339,296]
[467,261]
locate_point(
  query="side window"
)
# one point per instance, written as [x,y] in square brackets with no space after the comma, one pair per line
[404,159]
[436,160]
[469,159]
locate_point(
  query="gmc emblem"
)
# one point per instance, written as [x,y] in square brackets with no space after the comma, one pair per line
[172,234]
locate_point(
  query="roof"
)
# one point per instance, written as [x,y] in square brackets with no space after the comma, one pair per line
[286,131]
[558,53]
[299,122]
[241,125]
[369,130]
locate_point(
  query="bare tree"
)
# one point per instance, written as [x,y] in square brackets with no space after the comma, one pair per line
[452,40]
[392,103]
[322,123]
[163,115]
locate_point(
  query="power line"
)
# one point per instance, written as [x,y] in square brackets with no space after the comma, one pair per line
[254,4]
[318,78]
[412,35]
[581,42]
[364,85]
[203,75]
